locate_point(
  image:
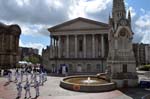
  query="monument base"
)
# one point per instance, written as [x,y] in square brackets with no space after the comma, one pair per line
[125,79]
[125,83]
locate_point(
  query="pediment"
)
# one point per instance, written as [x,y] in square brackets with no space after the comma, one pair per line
[79,24]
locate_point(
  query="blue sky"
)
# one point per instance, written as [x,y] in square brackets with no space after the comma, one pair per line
[35,16]
[139,4]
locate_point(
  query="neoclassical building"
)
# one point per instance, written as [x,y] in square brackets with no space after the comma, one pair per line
[80,44]
[88,46]
[9,44]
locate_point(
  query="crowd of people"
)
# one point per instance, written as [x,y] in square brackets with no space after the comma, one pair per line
[33,78]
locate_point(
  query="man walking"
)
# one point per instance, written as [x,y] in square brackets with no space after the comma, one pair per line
[27,89]
[36,86]
[16,75]
[21,75]
[9,75]
[19,89]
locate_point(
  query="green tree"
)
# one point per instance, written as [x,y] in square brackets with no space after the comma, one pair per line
[26,59]
[34,59]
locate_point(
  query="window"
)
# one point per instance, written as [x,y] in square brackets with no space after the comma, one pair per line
[70,68]
[124,68]
[88,67]
[80,45]
[79,68]
[53,65]
[98,67]
[53,68]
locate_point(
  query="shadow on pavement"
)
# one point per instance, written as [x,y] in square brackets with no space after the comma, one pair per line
[7,83]
[135,93]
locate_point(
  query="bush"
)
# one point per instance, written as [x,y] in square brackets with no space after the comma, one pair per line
[145,68]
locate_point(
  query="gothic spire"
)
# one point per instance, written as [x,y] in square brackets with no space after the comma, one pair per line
[129,15]
[119,10]
[129,18]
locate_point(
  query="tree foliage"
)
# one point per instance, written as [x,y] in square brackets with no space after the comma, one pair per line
[32,59]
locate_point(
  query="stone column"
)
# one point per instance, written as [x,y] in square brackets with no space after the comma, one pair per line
[53,47]
[93,45]
[96,47]
[50,50]
[10,42]
[67,44]
[3,48]
[17,43]
[84,44]
[56,50]
[76,46]
[59,46]
[102,46]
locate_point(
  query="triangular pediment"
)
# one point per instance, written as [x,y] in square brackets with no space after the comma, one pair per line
[79,24]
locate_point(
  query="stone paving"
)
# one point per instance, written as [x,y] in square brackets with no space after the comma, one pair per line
[51,90]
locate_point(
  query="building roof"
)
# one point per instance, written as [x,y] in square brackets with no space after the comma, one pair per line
[14,28]
[54,28]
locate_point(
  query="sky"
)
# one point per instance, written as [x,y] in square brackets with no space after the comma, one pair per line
[35,16]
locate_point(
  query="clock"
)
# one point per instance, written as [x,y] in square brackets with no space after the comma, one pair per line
[122,33]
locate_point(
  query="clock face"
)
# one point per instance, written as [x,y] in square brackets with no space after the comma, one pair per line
[122,33]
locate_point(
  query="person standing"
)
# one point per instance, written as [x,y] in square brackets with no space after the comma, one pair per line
[19,89]
[45,75]
[21,75]
[41,78]
[26,74]
[34,76]
[16,75]
[27,89]
[36,86]
[9,75]
[31,77]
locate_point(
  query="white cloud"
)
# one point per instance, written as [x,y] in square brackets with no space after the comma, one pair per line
[35,30]
[143,21]
[142,10]
[90,8]
[38,46]
[35,16]
[143,27]
[133,12]
[22,2]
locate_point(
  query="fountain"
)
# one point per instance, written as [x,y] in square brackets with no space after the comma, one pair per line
[87,83]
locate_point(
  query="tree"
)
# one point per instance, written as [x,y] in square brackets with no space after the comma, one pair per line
[26,59]
[34,59]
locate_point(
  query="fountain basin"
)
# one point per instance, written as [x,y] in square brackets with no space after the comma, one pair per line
[87,83]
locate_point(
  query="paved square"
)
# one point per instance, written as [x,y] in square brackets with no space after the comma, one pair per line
[51,90]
